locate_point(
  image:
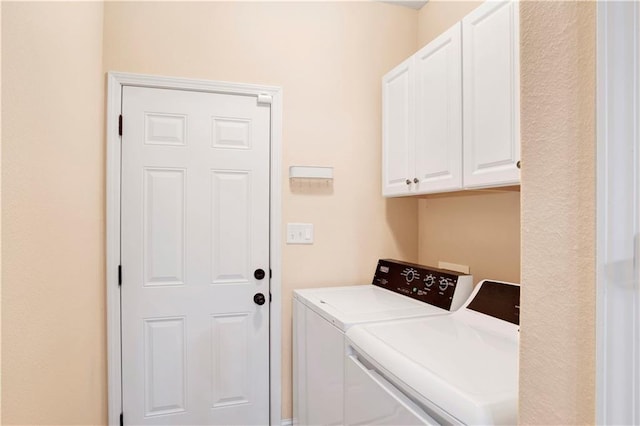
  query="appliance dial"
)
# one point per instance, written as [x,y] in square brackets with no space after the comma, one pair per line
[444,283]
[410,274]
[430,280]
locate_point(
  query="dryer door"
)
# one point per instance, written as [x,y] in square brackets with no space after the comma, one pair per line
[372,400]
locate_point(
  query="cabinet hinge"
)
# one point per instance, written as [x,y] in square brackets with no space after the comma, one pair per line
[270,273]
[263,98]
[121,420]
[119,275]
[270,297]
[120,125]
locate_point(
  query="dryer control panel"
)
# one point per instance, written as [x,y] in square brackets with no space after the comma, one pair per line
[498,299]
[438,287]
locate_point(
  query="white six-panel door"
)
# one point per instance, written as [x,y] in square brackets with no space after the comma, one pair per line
[195,227]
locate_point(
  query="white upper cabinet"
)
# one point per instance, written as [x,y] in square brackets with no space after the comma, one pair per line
[422,120]
[438,140]
[451,112]
[491,93]
[398,128]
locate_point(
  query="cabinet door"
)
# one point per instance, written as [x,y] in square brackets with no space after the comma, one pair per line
[491,89]
[438,143]
[397,129]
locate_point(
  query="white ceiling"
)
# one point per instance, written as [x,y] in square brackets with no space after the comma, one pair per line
[413,4]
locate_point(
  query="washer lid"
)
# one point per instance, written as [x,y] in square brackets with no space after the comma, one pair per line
[465,363]
[345,306]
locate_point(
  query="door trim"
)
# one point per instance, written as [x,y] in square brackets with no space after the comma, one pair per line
[617,238]
[115,82]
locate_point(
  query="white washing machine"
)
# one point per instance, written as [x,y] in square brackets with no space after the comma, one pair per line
[455,369]
[321,316]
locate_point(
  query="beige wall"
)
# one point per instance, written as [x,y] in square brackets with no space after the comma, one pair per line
[557,333]
[53,295]
[557,365]
[476,228]
[329,58]
[0,220]
[439,15]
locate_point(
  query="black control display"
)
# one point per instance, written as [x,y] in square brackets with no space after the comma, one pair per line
[433,286]
[499,300]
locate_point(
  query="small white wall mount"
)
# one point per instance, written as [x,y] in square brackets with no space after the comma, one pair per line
[310,172]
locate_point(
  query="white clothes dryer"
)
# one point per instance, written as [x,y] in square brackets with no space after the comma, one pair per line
[455,369]
[321,316]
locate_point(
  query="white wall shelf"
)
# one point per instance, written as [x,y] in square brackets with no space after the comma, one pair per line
[310,172]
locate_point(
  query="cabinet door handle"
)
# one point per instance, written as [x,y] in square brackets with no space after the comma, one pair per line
[408,182]
[415,180]
[518,164]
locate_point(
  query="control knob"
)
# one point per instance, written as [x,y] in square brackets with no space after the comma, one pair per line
[430,280]
[410,274]
[444,283]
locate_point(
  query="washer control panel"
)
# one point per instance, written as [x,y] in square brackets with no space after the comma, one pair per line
[426,284]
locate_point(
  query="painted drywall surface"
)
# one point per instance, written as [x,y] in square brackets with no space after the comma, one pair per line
[437,16]
[477,229]
[0,219]
[53,306]
[557,333]
[558,208]
[329,58]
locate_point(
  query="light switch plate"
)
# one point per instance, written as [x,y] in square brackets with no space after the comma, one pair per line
[299,233]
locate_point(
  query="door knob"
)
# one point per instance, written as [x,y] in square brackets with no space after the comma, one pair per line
[258,274]
[259,299]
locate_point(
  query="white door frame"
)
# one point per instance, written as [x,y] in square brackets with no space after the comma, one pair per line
[618,213]
[273,94]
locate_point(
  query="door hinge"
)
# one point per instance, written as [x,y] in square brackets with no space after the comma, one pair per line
[264,98]
[119,275]
[121,420]
[120,125]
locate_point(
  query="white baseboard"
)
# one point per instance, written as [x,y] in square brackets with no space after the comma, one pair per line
[287,422]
